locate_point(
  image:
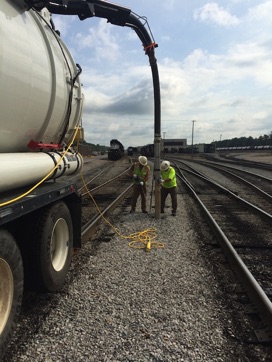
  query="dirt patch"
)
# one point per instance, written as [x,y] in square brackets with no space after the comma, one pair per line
[258,156]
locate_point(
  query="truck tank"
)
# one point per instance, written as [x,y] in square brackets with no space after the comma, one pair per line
[36,72]
[40,97]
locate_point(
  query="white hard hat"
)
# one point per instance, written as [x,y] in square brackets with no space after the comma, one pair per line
[142,160]
[165,165]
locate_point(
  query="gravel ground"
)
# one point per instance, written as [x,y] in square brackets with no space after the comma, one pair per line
[124,304]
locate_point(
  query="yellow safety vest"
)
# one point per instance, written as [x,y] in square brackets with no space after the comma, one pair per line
[170,173]
[141,173]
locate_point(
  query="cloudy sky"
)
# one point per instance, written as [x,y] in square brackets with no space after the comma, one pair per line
[215,67]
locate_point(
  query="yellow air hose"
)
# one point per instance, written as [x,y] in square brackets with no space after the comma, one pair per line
[139,240]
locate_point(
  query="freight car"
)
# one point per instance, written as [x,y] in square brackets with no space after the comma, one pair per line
[148,150]
[84,149]
[245,148]
[116,150]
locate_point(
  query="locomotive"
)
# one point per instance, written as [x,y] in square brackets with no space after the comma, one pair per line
[116,150]
[130,151]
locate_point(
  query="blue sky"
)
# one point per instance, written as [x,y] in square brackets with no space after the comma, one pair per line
[215,67]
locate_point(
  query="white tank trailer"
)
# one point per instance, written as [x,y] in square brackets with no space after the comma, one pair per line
[40,109]
[36,71]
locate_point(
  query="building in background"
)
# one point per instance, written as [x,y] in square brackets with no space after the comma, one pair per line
[177,145]
[204,148]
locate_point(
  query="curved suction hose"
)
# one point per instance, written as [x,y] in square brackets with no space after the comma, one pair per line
[121,16]
[117,15]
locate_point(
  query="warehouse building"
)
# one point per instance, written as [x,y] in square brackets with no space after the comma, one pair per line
[174,145]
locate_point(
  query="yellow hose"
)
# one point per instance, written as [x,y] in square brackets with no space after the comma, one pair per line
[139,240]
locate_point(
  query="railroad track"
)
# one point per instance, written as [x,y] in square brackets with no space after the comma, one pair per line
[242,228]
[255,187]
[242,162]
[105,191]
[102,186]
[37,307]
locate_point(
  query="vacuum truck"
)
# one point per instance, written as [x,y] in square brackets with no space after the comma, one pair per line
[41,105]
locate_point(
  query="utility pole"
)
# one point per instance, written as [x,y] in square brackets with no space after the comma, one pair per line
[193,126]
[164,143]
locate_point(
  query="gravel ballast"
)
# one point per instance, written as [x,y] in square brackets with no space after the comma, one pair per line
[126,304]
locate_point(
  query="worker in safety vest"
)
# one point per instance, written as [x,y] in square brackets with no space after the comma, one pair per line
[140,172]
[168,186]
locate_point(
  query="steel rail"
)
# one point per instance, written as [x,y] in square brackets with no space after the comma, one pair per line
[92,224]
[106,183]
[95,177]
[243,162]
[214,164]
[253,289]
[222,168]
[230,193]
[256,188]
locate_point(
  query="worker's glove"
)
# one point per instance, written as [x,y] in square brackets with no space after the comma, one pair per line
[135,176]
[141,183]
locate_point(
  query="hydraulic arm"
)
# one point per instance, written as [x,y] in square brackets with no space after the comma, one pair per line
[115,14]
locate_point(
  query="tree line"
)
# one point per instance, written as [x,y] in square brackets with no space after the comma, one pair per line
[95,147]
[263,140]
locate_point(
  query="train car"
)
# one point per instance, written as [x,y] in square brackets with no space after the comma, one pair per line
[116,150]
[148,150]
[209,148]
[244,148]
[84,149]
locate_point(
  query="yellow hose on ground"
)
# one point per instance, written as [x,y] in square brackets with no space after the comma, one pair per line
[139,240]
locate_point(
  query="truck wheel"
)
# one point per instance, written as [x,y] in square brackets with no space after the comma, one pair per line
[11,287]
[53,247]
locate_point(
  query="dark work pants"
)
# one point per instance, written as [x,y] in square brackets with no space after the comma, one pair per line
[173,193]
[137,191]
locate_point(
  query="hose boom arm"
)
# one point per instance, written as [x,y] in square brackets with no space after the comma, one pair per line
[115,14]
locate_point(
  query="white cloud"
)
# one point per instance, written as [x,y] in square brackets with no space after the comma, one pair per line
[211,12]
[63,24]
[220,77]
[100,40]
[221,91]
[261,12]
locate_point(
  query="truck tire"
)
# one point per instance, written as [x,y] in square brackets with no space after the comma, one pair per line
[52,248]
[11,287]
